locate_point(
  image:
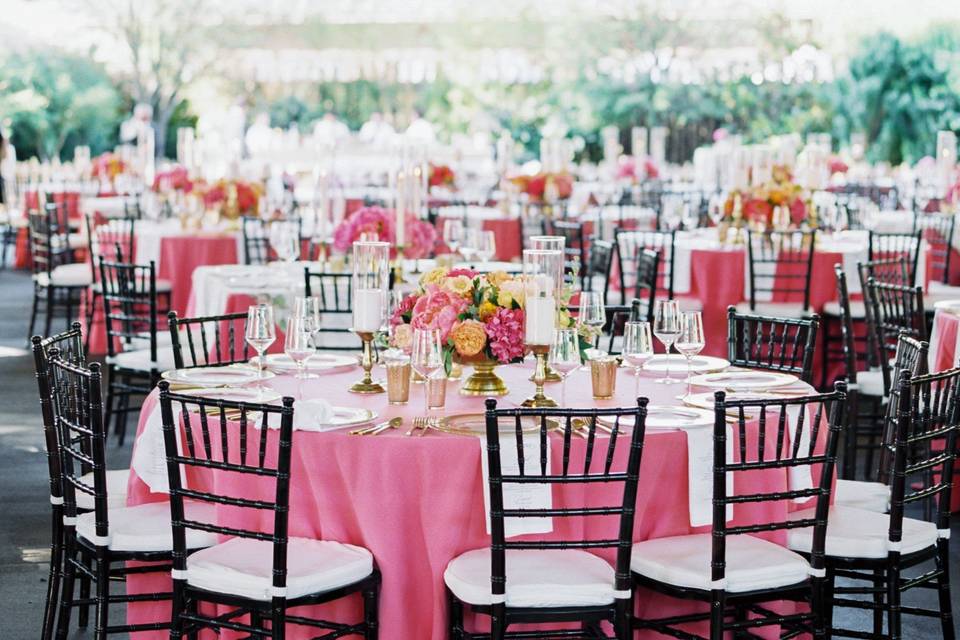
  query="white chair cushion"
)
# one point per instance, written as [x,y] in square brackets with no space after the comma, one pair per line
[244,567]
[943,291]
[139,360]
[870,383]
[146,527]
[858,310]
[775,309]
[76,274]
[535,578]
[752,563]
[872,496]
[116,490]
[858,533]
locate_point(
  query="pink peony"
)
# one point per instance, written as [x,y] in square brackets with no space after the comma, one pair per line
[437,309]
[462,271]
[381,223]
[404,308]
[421,238]
[505,333]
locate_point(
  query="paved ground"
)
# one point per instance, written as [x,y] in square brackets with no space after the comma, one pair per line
[24,514]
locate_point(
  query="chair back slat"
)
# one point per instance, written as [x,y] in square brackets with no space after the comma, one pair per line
[130,305]
[937,230]
[256,238]
[784,345]
[334,291]
[629,246]
[887,246]
[576,466]
[599,263]
[208,340]
[895,310]
[780,265]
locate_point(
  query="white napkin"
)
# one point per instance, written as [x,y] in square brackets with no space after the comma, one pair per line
[149,459]
[519,496]
[313,415]
[700,474]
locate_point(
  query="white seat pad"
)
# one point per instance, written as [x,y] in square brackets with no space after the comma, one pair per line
[870,383]
[116,490]
[244,567]
[858,533]
[858,310]
[146,527]
[535,578]
[139,360]
[752,563]
[937,289]
[872,496]
[76,274]
[775,309]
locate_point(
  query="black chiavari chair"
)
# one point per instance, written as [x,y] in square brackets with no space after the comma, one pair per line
[738,573]
[847,316]
[894,310]
[135,355]
[280,571]
[889,271]
[780,268]
[208,341]
[887,246]
[629,245]
[879,549]
[256,238]
[334,292]
[574,247]
[599,262]
[937,229]
[507,582]
[58,282]
[785,345]
[100,543]
[532,223]
[645,287]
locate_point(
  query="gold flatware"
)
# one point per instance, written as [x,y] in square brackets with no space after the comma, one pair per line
[379,428]
[418,423]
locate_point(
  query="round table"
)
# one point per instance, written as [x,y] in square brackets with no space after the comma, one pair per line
[417,502]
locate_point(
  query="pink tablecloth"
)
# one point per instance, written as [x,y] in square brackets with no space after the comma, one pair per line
[943,340]
[417,502]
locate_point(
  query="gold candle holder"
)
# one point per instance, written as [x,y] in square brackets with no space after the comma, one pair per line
[367,385]
[398,267]
[538,399]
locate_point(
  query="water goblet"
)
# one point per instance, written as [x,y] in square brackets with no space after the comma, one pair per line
[666,327]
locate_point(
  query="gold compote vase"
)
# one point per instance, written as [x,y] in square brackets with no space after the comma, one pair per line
[483,381]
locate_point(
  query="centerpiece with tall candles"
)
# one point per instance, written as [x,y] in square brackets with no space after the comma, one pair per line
[371,262]
[543,290]
[550,243]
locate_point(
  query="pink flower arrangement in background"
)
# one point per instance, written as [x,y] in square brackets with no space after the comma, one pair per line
[176,178]
[439,309]
[380,223]
[836,165]
[628,170]
[505,334]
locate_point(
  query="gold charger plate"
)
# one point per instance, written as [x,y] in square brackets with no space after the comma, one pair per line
[475,424]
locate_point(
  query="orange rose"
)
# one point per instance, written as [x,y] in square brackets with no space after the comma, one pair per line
[469,338]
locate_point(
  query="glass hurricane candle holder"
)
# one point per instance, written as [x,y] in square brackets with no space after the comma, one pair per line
[371,278]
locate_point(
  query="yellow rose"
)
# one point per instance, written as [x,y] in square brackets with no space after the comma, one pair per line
[497,278]
[510,292]
[486,310]
[434,276]
[460,285]
[564,318]
[469,338]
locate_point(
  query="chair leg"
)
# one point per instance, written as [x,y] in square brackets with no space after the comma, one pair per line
[454,617]
[83,615]
[371,617]
[53,579]
[33,313]
[893,604]
[103,594]
[498,622]
[48,319]
[66,594]
[109,413]
[878,599]
[622,627]
[818,606]
[828,601]
[122,410]
[278,619]
[718,606]
[943,589]
[68,316]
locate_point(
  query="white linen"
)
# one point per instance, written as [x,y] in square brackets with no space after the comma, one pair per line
[858,533]
[146,527]
[519,496]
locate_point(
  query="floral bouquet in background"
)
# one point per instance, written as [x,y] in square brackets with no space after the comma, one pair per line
[545,187]
[377,223]
[760,202]
[233,198]
[441,175]
[628,169]
[176,178]
[108,166]
[836,165]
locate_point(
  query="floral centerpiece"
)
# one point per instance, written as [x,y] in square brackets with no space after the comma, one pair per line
[420,236]
[441,175]
[108,166]
[760,202]
[629,170]
[545,186]
[233,198]
[176,178]
[480,318]
[835,165]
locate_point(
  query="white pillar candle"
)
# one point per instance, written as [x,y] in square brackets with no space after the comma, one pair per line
[367,309]
[401,208]
[539,320]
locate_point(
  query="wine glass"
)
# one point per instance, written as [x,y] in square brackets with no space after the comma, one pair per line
[691,340]
[260,332]
[666,327]
[637,347]
[591,315]
[285,240]
[426,358]
[565,357]
[470,245]
[486,246]
[691,216]
[299,342]
[453,233]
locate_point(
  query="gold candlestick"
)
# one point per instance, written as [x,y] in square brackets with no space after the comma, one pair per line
[398,267]
[367,385]
[538,399]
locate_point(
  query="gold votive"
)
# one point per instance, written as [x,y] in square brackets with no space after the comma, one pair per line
[437,391]
[603,376]
[398,381]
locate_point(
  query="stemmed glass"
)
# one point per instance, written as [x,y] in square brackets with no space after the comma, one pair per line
[592,314]
[637,346]
[426,358]
[486,246]
[691,341]
[666,327]
[260,332]
[285,240]
[470,244]
[453,233]
[299,343]
[564,357]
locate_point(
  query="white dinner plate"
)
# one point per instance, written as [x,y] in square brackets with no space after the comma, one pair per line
[666,418]
[743,380]
[252,396]
[319,363]
[349,417]
[698,364]
[706,400]
[214,376]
